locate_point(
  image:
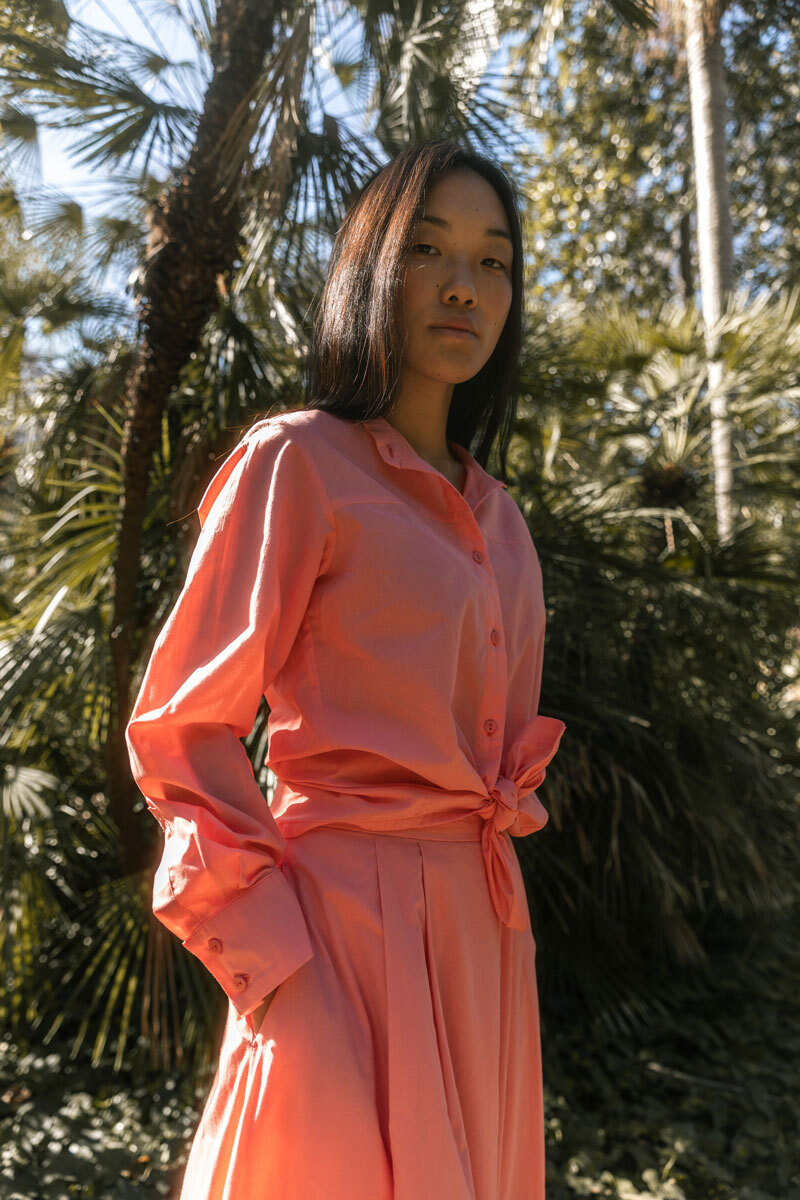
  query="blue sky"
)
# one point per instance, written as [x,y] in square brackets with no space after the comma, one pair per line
[63,178]
[142,22]
[120,17]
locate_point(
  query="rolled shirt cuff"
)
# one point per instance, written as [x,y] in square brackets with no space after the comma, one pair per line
[255,942]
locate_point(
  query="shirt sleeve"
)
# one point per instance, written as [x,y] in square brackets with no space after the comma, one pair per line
[267,532]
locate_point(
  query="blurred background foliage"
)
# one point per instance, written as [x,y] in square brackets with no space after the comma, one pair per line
[655,457]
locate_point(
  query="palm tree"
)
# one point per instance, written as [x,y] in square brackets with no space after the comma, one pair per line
[698,24]
[700,20]
[671,655]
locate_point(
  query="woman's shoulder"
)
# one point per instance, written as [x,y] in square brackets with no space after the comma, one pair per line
[282,450]
[310,426]
[324,444]
[511,525]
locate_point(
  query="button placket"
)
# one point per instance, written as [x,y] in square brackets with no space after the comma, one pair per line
[492,707]
[492,704]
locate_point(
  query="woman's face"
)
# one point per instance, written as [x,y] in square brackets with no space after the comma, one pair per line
[459,268]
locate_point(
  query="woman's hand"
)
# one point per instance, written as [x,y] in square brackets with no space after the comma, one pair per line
[259,1013]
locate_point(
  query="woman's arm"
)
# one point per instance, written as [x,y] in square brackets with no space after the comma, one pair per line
[267,531]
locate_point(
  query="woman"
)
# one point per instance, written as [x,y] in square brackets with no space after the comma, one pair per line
[361,569]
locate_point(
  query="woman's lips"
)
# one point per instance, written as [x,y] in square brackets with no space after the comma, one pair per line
[460,333]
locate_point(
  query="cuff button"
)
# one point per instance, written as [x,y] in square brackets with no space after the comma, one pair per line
[215,945]
[240,982]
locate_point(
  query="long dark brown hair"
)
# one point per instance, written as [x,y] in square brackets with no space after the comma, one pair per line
[353,366]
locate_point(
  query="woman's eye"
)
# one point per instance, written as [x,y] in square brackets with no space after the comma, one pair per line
[427,246]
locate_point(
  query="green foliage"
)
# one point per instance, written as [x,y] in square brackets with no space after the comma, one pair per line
[670,658]
[701,1104]
[69,1130]
[610,159]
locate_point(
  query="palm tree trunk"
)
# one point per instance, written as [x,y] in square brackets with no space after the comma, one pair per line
[195,227]
[685,241]
[714,235]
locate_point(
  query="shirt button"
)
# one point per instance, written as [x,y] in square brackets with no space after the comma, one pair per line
[240,982]
[495,636]
[216,945]
[476,554]
[490,725]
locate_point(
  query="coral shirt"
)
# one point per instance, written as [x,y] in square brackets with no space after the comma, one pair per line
[395,626]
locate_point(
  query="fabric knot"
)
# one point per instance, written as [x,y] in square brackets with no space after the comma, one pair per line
[505,797]
[502,868]
[512,808]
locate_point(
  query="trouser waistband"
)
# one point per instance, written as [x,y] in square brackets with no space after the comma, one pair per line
[463,829]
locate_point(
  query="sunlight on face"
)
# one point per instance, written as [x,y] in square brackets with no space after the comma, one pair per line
[459,268]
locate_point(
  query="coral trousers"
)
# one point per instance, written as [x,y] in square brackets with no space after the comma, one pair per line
[403,1060]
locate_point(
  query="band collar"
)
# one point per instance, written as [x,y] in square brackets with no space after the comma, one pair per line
[396,450]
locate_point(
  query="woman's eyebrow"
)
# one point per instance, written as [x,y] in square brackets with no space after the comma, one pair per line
[490,232]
